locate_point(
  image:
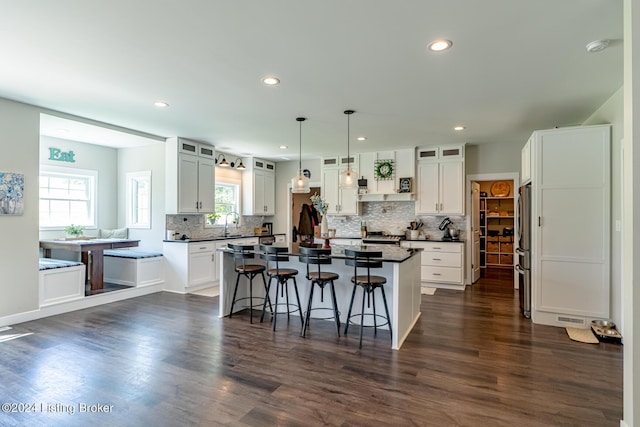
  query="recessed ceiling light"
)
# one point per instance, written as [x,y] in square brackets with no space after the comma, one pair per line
[271,81]
[161,104]
[459,128]
[284,147]
[597,45]
[440,45]
[362,138]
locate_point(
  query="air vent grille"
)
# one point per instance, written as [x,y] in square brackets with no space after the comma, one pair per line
[570,320]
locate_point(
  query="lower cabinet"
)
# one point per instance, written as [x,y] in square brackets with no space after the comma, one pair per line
[191,266]
[441,263]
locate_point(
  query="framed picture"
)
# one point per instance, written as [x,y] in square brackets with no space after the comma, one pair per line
[11,193]
[405,185]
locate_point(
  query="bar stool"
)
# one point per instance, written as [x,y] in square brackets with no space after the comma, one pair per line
[241,253]
[276,255]
[319,256]
[368,283]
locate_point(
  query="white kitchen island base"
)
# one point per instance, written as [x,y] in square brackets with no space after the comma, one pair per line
[402,290]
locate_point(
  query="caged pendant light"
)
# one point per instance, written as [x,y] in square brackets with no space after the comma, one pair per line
[300,183]
[348,177]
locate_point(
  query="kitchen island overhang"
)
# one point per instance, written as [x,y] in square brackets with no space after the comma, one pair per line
[401,268]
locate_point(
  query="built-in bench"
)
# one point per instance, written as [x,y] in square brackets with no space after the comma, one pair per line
[60,281]
[133,267]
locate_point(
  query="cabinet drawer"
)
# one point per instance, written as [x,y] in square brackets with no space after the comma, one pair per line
[201,247]
[442,259]
[441,274]
[440,247]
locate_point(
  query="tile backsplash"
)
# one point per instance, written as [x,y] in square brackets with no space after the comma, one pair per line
[193,225]
[381,216]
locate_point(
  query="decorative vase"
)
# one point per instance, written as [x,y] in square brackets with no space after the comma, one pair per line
[324,227]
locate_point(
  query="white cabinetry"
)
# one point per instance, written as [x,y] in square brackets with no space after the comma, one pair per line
[259,188]
[400,164]
[342,201]
[191,266]
[440,181]
[441,263]
[570,186]
[189,176]
[525,172]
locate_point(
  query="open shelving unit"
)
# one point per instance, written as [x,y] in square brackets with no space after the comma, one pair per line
[496,217]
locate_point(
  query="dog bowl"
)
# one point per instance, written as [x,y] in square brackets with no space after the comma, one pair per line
[604,324]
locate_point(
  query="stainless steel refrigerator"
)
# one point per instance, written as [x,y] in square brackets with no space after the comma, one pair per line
[523,250]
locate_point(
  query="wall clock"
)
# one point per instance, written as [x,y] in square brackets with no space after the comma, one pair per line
[383,170]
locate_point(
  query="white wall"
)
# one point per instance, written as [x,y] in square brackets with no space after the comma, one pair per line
[20,124]
[612,112]
[493,157]
[139,159]
[104,160]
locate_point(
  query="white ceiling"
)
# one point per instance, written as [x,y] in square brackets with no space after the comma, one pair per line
[515,66]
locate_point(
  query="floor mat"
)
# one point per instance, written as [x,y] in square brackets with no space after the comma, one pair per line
[582,335]
[208,292]
[427,291]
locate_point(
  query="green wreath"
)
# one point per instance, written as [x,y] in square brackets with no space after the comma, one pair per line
[384,169]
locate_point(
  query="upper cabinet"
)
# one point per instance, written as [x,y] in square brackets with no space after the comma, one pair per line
[390,175]
[342,201]
[189,176]
[259,188]
[440,181]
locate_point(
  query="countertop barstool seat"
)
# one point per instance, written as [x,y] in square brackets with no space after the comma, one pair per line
[274,255]
[368,283]
[242,253]
[318,257]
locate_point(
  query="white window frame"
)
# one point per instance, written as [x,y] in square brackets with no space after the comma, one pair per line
[92,175]
[133,202]
[238,186]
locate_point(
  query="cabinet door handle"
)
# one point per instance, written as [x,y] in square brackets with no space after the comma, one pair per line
[436,259]
[441,207]
[436,206]
[436,274]
[437,247]
[213,257]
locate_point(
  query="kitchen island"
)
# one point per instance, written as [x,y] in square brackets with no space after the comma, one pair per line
[401,268]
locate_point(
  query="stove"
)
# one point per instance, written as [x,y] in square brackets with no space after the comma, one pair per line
[379,238]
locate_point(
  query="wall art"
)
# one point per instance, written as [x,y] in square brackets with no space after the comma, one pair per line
[11,193]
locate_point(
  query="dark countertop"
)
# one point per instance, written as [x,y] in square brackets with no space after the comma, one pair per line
[390,253]
[215,238]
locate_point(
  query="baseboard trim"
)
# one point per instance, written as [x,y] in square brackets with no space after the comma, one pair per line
[86,302]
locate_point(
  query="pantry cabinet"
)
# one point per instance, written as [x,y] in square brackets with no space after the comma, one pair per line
[440,181]
[189,176]
[571,227]
[259,188]
[342,201]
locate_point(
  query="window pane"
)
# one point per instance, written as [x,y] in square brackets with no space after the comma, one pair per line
[66,198]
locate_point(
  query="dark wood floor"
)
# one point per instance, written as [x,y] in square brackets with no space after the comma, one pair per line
[168,360]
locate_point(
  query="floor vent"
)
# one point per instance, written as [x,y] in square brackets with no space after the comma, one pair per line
[570,320]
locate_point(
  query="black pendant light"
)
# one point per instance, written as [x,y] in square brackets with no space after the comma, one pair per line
[300,183]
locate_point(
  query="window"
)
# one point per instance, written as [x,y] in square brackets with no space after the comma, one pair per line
[139,199]
[67,196]
[227,202]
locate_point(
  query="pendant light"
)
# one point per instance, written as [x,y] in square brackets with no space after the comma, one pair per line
[348,177]
[300,183]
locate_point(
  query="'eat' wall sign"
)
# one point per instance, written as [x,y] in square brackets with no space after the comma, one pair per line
[61,156]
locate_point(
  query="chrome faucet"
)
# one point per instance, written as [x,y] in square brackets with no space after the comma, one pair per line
[226,218]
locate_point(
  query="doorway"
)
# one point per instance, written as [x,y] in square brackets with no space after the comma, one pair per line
[493,223]
[300,232]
